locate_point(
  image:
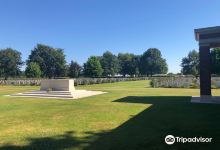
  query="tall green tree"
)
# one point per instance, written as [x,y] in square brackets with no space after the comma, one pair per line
[74,69]
[92,67]
[33,70]
[190,63]
[110,64]
[135,63]
[51,60]
[10,63]
[128,64]
[151,62]
[215,57]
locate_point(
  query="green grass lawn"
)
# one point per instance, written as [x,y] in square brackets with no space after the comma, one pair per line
[131,116]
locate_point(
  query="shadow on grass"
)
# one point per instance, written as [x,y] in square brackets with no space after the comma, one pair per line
[147,130]
[173,115]
[59,142]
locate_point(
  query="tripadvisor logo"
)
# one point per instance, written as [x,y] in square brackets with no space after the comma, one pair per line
[170,139]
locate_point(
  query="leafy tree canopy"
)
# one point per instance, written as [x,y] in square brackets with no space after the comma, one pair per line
[215,57]
[74,69]
[10,63]
[151,62]
[93,67]
[110,64]
[190,63]
[128,64]
[51,60]
[33,70]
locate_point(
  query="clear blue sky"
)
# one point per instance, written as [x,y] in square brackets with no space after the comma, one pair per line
[90,27]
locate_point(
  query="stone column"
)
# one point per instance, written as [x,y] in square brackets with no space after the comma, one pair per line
[205,70]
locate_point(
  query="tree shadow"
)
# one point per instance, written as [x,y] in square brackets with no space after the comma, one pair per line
[64,141]
[173,115]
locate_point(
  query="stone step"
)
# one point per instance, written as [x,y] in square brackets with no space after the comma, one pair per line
[60,91]
[49,93]
[44,95]
[59,94]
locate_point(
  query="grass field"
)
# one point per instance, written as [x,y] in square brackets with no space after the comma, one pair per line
[131,116]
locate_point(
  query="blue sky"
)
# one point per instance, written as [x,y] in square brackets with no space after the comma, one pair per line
[90,27]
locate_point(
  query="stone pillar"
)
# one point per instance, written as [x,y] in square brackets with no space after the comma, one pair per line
[205,70]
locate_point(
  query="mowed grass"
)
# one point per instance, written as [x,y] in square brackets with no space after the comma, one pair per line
[131,116]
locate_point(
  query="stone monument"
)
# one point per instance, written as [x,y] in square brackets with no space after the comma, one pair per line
[58,88]
[57,85]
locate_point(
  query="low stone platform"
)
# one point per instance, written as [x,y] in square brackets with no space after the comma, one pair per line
[206,99]
[76,94]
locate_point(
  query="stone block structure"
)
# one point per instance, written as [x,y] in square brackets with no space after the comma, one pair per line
[58,88]
[207,38]
[57,85]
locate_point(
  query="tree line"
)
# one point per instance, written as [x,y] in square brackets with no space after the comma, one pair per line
[49,62]
[190,63]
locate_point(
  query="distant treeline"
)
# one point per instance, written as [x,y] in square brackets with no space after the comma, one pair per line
[48,62]
[190,63]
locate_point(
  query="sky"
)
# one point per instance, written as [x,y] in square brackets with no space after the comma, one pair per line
[90,27]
